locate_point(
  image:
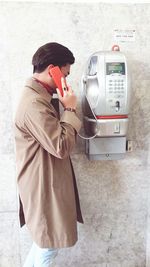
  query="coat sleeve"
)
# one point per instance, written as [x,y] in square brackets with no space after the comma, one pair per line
[55,136]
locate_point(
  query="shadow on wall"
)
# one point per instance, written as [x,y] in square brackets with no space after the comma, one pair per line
[139,123]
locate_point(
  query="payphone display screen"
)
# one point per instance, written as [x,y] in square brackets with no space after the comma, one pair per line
[115,67]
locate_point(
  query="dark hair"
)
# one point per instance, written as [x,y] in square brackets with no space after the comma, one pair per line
[51,53]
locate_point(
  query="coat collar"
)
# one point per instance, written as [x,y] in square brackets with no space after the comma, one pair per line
[39,88]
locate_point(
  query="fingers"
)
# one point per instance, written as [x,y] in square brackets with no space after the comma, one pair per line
[70,91]
[67,90]
[64,88]
[68,99]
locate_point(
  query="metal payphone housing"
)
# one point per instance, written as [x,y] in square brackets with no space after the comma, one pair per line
[106,103]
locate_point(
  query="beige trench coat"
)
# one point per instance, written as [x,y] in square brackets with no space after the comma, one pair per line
[49,202]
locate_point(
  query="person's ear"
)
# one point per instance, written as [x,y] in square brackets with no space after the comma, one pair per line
[50,67]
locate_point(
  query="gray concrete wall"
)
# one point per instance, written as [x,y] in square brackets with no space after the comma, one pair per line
[114,194]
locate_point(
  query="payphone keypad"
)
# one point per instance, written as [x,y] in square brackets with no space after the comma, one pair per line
[116,88]
[115,93]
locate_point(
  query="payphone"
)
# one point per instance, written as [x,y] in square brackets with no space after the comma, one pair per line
[106,94]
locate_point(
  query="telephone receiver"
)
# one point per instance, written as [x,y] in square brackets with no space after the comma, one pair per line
[57,75]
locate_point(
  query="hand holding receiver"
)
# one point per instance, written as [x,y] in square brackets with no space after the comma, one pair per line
[69,99]
[56,74]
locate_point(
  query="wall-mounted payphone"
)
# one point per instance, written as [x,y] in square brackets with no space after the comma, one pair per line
[105,103]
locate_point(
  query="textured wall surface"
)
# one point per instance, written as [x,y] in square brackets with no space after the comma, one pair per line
[114,194]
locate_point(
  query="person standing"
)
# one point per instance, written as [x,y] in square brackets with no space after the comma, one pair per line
[49,201]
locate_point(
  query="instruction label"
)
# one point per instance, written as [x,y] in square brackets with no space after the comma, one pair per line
[124,35]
